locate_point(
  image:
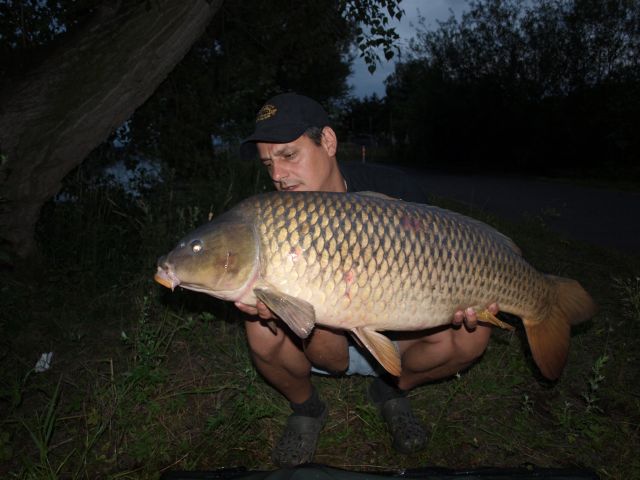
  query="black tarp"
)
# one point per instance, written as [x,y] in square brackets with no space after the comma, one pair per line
[323,472]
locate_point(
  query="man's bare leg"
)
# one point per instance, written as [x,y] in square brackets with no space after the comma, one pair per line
[441,354]
[281,360]
[438,354]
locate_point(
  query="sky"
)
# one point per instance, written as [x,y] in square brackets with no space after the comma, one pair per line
[364,83]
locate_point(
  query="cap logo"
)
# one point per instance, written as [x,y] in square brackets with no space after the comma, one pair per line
[266,112]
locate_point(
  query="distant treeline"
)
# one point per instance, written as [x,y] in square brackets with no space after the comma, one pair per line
[545,87]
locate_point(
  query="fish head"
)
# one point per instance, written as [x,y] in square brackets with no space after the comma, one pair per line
[219,258]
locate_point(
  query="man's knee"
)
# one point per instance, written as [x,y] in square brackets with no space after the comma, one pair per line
[328,350]
[263,343]
[469,346]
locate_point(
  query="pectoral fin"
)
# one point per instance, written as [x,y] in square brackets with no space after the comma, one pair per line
[382,349]
[298,314]
[487,316]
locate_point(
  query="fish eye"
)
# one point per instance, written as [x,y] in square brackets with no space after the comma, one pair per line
[196,246]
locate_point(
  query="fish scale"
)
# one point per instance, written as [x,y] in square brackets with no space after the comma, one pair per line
[389,256]
[367,263]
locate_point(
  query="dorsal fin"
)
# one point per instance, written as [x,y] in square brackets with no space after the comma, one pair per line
[368,193]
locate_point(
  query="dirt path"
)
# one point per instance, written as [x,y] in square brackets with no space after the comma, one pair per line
[599,216]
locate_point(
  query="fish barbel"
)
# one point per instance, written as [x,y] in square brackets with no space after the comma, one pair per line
[366,263]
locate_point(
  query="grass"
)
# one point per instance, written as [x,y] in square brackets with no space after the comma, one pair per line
[629,292]
[144,380]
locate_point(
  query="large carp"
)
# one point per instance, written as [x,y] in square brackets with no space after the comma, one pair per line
[367,263]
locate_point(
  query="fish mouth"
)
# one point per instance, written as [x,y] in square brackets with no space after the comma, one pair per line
[166,278]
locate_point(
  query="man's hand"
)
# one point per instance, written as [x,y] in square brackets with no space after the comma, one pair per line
[470,318]
[261,310]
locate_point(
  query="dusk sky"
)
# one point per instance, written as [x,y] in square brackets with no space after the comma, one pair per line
[362,81]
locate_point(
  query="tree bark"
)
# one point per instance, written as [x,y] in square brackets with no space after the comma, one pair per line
[52,119]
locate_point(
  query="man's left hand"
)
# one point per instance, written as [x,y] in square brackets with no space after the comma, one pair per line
[470,318]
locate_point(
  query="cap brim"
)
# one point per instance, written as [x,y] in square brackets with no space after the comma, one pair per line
[283,134]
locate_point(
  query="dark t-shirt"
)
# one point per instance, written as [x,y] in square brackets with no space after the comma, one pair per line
[390,181]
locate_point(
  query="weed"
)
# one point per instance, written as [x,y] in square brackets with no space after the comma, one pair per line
[629,291]
[189,217]
[370,418]
[6,448]
[438,425]
[590,396]
[527,404]
[41,434]
[14,391]
[566,416]
[152,339]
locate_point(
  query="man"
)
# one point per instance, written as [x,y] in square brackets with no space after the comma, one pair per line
[298,147]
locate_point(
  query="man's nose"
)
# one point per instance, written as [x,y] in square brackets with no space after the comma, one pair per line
[278,172]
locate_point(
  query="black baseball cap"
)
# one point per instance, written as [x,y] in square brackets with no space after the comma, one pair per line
[285,117]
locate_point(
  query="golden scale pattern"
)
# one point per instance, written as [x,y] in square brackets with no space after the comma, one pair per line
[357,258]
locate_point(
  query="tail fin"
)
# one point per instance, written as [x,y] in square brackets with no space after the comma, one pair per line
[549,337]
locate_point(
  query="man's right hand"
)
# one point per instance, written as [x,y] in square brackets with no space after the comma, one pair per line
[261,310]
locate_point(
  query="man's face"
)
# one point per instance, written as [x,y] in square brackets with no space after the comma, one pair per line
[300,165]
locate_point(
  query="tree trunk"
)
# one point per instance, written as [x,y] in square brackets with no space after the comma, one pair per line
[52,119]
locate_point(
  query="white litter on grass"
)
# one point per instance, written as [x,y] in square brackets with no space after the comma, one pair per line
[44,363]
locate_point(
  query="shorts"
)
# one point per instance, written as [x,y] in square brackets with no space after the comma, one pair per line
[360,363]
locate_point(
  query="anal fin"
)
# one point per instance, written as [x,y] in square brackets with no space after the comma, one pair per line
[382,349]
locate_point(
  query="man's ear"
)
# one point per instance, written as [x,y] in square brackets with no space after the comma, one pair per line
[329,141]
